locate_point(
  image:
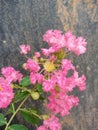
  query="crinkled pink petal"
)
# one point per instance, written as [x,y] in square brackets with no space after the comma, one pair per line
[11,74]
[6,93]
[32,65]
[24,48]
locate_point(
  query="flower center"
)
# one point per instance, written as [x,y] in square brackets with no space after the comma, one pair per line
[0,88]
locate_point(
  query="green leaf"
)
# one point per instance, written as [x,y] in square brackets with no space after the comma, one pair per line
[17,127]
[41,98]
[2,120]
[39,88]
[11,109]
[33,111]
[25,81]
[20,96]
[30,116]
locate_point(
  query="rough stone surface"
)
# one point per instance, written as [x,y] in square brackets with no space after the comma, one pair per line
[26,21]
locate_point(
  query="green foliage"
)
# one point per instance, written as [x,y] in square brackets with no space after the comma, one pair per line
[31,115]
[20,96]
[17,127]
[39,88]
[11,109]
[2,120]
[25,81]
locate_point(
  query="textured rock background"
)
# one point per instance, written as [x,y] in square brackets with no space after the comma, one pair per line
[25,21]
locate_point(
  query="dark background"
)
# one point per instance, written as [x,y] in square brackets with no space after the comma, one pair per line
[25,21]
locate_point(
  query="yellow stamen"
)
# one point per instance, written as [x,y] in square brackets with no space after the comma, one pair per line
[49,66]
[0,88]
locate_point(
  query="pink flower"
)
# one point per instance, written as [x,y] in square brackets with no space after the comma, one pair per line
[37,54]
[61,103]
[11,74]
[51,50]
[42,128]
[80,82]
[24,48]
[33,77]
[76,45]
[64,83]
[51,123]
[6,93]
[54,37]
[32,65]
[40,78]
[36,77]
[80,46]
[48,85]
[52,58]
[67,65]
[45,52]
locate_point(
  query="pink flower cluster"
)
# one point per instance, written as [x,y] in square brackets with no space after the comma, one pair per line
[51,123]
[57,40]
[59,85]
[53,73]
[10,75]
[34,67]
[6,91]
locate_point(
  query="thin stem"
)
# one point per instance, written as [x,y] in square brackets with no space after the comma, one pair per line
[16,112]
[36,115]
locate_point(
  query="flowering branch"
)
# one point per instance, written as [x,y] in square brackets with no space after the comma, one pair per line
[47,79]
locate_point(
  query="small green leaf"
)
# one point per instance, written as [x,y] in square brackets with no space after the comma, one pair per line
[17,127]
[20,96]
[25,81]
[30,116]
[2,120]
[33,110]
[41,98]
[11,109]
[39,88]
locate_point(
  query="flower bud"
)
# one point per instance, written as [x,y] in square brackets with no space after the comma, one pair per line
[35,95]
[24,65]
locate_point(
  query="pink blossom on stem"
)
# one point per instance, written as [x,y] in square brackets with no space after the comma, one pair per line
[80,81]
[51,123]
[67,65]
[54,37]
[48,85]
[37,54]
[42,128]
[11,74]
[36,77]
[32,65]
[24,48]
[61,103]
[6,93]
[45,52]
[80,46]
[51,50]
[33,77]
[40,78]
[67,40]
[76,45]
[52,58]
